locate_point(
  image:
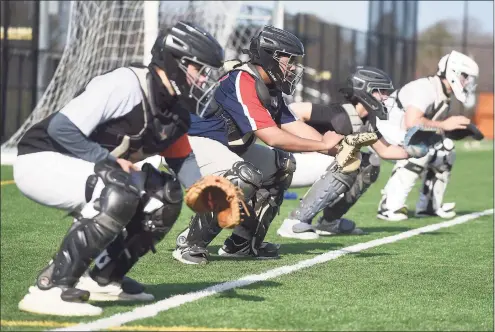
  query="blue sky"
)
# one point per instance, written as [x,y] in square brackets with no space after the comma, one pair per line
[340,12]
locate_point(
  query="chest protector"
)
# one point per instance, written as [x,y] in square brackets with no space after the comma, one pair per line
[271,99]
[358,125]
[439,110]
[141,133]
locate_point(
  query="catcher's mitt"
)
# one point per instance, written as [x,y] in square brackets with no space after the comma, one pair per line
[348,154]
[471,130]
[214,193]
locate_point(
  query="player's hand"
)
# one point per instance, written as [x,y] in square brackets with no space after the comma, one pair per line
[331,139]
[455,122]
[127,165]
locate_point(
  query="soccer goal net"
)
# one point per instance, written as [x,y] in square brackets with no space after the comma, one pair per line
[103,35]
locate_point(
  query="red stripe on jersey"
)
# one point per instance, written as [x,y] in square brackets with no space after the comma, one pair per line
[258,115]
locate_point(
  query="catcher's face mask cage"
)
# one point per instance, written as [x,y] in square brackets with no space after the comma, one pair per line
[461,72]
[373,96]
[201,80]
[291,69]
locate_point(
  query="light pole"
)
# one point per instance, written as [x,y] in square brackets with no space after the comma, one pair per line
[465,28]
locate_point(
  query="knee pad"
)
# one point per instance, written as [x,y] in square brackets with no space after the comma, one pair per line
[370,168]
[443,157]
[165,202]
[119,199]
[286,166]
[246,176]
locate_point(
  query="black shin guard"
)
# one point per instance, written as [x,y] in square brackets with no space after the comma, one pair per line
[119,257]
[88,237]
[148,227]
[203,228]
[268,200]
[368,174]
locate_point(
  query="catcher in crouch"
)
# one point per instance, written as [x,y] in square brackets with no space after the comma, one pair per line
[84,157]
[367,88]
[426,102]
[248,104]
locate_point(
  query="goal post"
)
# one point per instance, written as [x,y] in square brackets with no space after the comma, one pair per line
[151,22]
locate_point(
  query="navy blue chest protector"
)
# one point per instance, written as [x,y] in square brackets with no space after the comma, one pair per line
[271,99]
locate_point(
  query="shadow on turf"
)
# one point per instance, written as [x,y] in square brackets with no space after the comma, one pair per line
[163,291]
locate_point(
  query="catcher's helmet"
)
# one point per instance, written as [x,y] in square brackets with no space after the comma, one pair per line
[461,72]
[363,82]
[268,47]
[186,41]
[184,44]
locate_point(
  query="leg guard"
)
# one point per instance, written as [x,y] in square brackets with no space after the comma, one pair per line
[268,201]
[204,228]
[88,237]
[325,192]
[368,174]
[155,217]
[401,182]
[435,182]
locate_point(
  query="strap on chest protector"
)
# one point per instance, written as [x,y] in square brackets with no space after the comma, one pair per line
[125,144]
[237,141]
[149,108]
[437,111]
[261,88]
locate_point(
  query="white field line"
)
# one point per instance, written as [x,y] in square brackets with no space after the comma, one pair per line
[153,309]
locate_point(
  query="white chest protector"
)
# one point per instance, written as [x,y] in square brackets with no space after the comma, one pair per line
[426,94]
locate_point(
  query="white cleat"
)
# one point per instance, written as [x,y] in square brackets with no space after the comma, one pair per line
[49,302]
[388,215]
[445,212]
[295,229]
[128,290]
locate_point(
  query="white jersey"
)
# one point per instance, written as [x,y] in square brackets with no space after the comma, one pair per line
[427,94]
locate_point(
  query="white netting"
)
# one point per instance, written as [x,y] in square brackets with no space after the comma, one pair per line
[250,21]
[103,35]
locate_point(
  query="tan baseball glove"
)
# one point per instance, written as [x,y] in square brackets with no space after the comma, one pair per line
[214,193]
[348,157]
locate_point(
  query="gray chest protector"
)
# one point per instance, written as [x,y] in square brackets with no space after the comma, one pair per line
[358,125]
[146,130]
